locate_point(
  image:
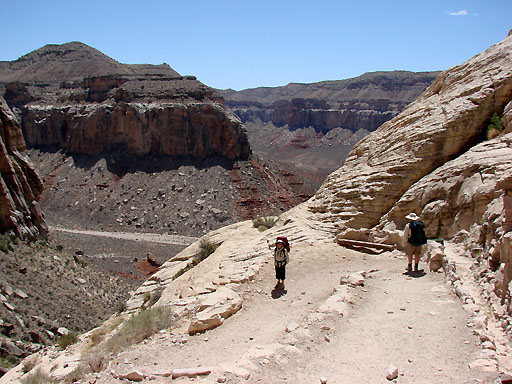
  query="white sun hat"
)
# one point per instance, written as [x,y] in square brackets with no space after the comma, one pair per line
[412,216]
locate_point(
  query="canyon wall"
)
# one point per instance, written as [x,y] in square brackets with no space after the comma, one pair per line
[73,97]
[438,144]
[315,125]
[20,186]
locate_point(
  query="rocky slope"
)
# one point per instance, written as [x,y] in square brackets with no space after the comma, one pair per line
[317,124]
[20,187]
[162,194]
[75,98]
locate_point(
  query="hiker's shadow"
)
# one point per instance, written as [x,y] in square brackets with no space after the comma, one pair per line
[416,274]
[278,292]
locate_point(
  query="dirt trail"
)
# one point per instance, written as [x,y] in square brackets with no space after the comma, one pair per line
[416,324]
[136,236]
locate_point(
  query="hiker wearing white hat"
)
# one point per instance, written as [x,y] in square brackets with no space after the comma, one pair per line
[415,239]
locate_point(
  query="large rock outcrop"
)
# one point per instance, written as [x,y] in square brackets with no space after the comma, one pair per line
[20,186]
[73,97]
[430,146]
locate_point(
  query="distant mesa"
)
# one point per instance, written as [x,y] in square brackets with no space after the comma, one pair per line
[74,97]
[317,124]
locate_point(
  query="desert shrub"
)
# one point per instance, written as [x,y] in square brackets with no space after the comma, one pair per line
[155,296]
[139,327]
[99,334]
[264,223]
[59,247]
[182,271]
[38,377]
[65,340]
[206,248]
[495,126]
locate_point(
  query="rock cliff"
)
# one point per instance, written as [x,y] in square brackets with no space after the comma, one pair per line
[435,133]
[73,97]
[327,118]
[20,186]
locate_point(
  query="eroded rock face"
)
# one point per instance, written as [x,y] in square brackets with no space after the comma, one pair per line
[20,186]
[73,97]
[405,154]
[175,129]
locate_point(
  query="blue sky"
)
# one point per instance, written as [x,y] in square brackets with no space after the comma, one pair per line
[245,44]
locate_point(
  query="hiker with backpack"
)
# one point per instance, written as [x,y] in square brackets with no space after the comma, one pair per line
[281,250]
[415,238]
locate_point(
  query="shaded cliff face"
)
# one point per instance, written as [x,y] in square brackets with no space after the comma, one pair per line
[325,118]
[20,186]
[73,97]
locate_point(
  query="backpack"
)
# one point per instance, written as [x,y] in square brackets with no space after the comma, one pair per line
[418,236]
[285,241]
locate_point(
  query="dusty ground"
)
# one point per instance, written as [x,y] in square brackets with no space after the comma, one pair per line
[416,324]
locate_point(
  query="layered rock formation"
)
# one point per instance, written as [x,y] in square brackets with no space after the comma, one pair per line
[327,118]
[20,186]
[363,102]
[431,146]
[73,97]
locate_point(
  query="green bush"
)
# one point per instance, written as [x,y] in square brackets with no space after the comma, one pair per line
[38,377]
[495,126]
[264,223]
[206,248]
[65,340]
[155,296]
[139,327]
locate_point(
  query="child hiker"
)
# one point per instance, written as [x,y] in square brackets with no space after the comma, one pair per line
[280,260]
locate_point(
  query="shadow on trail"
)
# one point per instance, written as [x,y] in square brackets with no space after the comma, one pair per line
[278,292]
[416,274]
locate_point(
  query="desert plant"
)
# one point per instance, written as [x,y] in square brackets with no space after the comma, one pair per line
[155,296]
[99,334]
[139,327]
[206,248]
[38,377]
[264,223]
[495,126]
[65,340]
